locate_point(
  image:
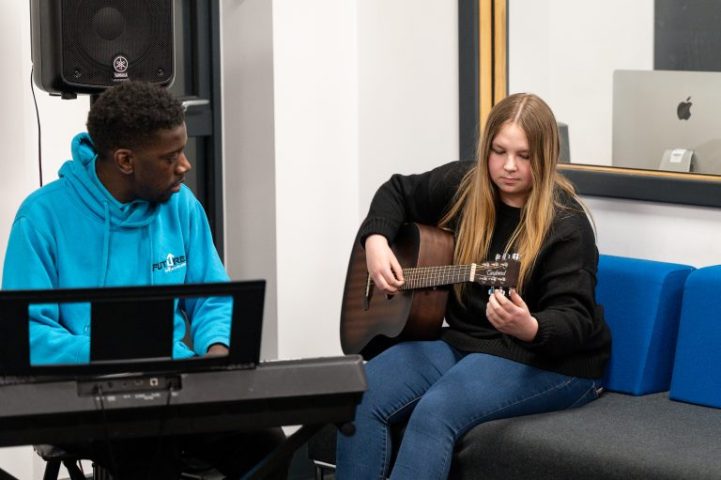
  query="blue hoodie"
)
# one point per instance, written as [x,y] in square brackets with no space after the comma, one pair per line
[73,233]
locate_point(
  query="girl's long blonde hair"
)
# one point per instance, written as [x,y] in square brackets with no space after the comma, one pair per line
[475,201]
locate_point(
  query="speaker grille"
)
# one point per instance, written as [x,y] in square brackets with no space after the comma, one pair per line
[107,41]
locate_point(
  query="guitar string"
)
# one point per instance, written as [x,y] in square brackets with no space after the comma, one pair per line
[422,276]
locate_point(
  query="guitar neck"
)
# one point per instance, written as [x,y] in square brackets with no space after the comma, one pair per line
[428,277]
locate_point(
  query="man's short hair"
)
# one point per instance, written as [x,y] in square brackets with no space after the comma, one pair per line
[129,114]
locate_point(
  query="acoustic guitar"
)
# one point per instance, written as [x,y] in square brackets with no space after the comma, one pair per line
[372,321]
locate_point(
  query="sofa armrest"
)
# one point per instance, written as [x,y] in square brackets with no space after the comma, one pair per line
[642,304]
[697,369]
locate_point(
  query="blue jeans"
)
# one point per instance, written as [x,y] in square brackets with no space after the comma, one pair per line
[443,393]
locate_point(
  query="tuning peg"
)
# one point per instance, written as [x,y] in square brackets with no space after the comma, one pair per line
[516,256]
[498,256]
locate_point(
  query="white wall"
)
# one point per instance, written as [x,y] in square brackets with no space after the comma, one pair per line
[566,51]
[408,89]
[249,151]
[290,128]
[316,167]
[657,231]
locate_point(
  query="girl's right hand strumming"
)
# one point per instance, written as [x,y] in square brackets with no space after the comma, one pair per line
[382,264]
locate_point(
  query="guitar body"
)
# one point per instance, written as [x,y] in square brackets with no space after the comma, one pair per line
[370,327]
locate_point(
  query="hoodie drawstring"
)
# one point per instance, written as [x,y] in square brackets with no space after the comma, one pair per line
[106,245]
[150,234]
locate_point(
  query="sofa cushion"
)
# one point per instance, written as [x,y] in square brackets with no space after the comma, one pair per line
[642,303]
[697,370]
[615,437]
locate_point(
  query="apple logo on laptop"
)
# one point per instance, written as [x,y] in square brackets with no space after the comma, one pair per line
[684,109]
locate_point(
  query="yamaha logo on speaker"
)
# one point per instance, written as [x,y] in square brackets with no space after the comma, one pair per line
[120,65]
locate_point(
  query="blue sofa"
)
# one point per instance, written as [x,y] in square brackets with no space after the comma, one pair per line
[665,337]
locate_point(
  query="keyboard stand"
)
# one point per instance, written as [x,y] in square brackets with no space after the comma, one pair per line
[282,455]
[278,458]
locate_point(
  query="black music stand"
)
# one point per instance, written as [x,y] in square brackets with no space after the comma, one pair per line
[113,306]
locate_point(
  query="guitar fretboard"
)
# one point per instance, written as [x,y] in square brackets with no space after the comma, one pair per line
[427,277]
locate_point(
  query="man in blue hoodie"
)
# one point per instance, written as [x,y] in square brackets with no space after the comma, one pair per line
[119,215]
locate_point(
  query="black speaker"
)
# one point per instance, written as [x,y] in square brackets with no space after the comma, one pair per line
[85,46]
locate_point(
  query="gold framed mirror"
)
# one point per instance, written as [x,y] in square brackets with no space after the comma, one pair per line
[525,45]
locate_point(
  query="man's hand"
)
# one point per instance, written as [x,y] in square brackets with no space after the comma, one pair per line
[217,350]
[382,264]
[511,316]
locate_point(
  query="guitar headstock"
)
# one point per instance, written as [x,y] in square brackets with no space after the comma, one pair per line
[499,273]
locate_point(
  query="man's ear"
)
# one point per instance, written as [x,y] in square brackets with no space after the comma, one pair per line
[124,160]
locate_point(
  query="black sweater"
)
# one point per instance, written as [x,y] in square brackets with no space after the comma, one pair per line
[572,337]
